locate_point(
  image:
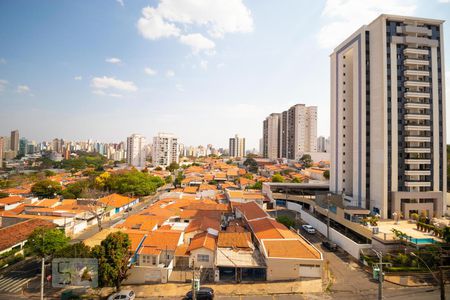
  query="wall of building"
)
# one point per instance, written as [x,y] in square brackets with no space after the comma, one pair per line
[203,251]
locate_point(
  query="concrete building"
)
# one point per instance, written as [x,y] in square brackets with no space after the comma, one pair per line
[15,140]
[388,148]
[136,151]
[271,136]
[165,149]
[237,146]
[321,144]
[290,134]
[1,152]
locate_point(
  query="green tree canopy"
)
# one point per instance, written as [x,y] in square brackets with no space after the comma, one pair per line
[306,160]
[113,255]
[133,182]
[78,250]
[277,178]
[296,180]
[46,188]
[173,166]
[256,186]
[326,174]
[46,241]
[286,221]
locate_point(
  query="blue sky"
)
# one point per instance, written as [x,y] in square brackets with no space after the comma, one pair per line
[201,69]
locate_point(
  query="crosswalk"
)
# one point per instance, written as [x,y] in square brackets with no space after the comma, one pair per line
[13,284]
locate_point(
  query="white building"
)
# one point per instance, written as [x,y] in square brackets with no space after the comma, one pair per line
[388,148]
[237,146]
[165,149]
[271,136]
[136,151]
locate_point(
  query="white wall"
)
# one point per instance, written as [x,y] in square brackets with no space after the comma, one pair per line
[341,240]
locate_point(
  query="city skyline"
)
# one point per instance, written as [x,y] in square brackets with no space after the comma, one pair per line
[137,77]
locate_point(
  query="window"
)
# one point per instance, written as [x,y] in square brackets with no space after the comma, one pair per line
[203,257]
[153,260]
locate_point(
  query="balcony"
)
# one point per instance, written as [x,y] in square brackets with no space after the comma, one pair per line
[420,139]
[416,117]
[417,150]
[417,128]
[417,172]
[417,105]
[416,51]
[416,73]
[417,95]
[414,83]
[416,62]
[418,161]
[417,183]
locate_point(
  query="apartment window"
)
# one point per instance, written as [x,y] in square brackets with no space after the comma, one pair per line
[203,257]
[153,260]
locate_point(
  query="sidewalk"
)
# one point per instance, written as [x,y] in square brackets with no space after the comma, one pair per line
[243,289]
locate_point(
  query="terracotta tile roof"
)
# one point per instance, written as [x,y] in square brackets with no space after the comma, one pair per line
[268,228]
[203,224]
[234,240]
[232,172]
[141,222]
[246,181]
[190,189]
[116,200]
[206,187]
[45,203]
[202,240]
[182,250]
[11,200]
[14,234]
[149,251]
[292,248]
[136,237]
[163,239]
[252,211]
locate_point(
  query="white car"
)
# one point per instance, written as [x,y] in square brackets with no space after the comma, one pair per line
[309,228]
[123,295]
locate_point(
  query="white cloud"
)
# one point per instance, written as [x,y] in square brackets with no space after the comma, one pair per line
[174,18]
[113,60]
[179,87]
[3,84]
[103,93]
[2,61]
[343,17]
[120,2]
[444,1]
[197,42]
[170,73]
[23,89]
[204,64]
[220,65]
[150,71]
[152,26]
[105,83]
[78,78]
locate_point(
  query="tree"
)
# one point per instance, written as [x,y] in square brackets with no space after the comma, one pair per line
[3,195]
[286,221]
[326,174]
[49,173]
[102,179]
[306,161]
[168,179]
[446,234]
[256,186]
[78,250]
[296,180]
[277,178]
[113,255]
[251,165]
[46,188]
[133,182]
[173,166]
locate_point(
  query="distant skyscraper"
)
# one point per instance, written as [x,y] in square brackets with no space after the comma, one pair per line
[15,140]
[388,148]
[165,149]
[321,144]
[271,136]
[291,133]
[57,145]
[136,151]
[1,151]
[237,146]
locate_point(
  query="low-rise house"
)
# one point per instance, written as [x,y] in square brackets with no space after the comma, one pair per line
[202,251]
[118,202]
[11,202]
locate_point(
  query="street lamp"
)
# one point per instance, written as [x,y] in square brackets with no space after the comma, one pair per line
[328,215]
[380,276]
[440,282]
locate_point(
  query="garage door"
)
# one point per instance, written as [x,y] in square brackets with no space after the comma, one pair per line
[310,271]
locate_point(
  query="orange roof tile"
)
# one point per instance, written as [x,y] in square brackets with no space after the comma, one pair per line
[181,250]
[14,234]
[292,248]
[270,229]
[11,200]
[234,240]
[202,240]
[116,200]
[163,239]
[252,211]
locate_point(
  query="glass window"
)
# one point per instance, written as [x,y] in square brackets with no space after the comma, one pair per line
[203,257]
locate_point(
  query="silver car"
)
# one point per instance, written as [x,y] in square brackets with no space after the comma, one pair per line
[309,228]
[123,295]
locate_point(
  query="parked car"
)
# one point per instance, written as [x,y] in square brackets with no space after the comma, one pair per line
[309,228]
[123,295]
[330,246]
[204,293]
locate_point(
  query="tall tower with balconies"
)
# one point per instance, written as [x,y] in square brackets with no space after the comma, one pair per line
[388,148]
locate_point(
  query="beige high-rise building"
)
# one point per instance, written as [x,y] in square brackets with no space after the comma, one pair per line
[165,149]
[291,133]
[388,148]
[237,146]
[271,136]
[136,153]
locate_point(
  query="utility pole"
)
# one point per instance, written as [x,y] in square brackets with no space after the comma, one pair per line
[194,292]
[42,277]
[380,275]
[328,216]
[441,276]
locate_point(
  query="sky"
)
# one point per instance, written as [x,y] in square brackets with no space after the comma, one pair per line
[201,69]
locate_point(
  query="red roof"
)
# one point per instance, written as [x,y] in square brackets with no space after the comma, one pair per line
[17,233]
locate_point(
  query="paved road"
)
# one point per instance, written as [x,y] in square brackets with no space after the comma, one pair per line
[14,281]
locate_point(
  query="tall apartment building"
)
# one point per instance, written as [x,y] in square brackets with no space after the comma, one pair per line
[1,151]
[136,153]
[321,144]
[388,148]
[237,146]
[165,149]
[15,140]
[291,133]
[271,136]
